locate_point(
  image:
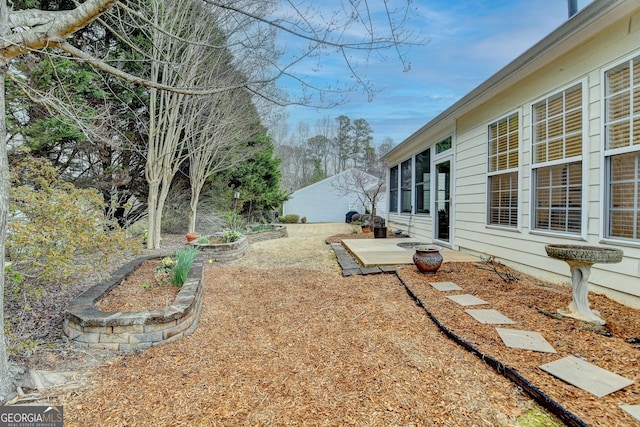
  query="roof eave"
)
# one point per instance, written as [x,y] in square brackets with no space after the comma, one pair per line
[592,19]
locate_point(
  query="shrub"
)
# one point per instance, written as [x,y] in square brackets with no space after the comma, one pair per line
[184,261]
[57,231]
[303,220]
[290,219]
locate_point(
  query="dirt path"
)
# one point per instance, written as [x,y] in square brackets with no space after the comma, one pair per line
[283,339]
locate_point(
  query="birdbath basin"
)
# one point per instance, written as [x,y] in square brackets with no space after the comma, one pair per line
[580,259]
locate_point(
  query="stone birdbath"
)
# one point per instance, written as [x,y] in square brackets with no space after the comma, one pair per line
[580,259]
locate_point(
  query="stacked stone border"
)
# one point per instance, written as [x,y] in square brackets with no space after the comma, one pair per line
[223,252]
[279,231]
[132,331]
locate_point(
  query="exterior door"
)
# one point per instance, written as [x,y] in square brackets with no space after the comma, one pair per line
[442,217]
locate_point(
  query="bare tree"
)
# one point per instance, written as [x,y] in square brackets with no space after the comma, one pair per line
[369,188]
[24,31]
[219,140]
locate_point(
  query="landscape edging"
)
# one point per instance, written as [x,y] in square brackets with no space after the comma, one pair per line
[86,325]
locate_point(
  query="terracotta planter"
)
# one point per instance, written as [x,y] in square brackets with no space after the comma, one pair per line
[427,258]
[191,237]
[365,229]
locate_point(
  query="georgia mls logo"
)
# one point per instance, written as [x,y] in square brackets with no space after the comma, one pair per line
[31,416]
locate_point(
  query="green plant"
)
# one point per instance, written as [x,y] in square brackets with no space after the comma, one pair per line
[262,227]
[229,235]
[205,240]
[184,261]
[56,230]
[290,219]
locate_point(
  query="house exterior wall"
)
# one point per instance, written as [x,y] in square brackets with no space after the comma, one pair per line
[522,246]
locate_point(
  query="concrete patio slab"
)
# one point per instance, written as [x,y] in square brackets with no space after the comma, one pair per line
[525,340]
[633,410]
[370,252]
[490,317]
[467,299]
[445,286]
[586,376]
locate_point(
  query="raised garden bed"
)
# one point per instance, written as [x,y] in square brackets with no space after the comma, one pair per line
[223,252]
[86,325]
[267,232]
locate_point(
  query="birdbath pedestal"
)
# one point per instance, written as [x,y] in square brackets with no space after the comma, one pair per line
[580,259]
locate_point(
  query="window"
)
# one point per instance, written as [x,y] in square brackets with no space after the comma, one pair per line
[393,189]
[443,145]
[557,162]
[622,150]
[504,141]
[423,182]
[405,177]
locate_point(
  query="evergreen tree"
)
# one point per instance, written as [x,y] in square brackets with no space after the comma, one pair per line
[258,182]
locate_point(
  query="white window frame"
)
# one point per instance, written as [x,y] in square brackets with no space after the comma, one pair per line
[534,166]
[411,184]
[396,208]
[607,154]
[517,170]
[430,150]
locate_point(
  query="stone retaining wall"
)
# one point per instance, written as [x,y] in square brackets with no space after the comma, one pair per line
[223,252]
[279,232]
[86,325]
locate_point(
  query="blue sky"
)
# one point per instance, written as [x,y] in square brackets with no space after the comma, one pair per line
[468,41]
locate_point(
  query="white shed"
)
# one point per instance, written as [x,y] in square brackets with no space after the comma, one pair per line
[323,202]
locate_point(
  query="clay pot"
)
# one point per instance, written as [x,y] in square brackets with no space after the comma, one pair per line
[427,258]
[191,237]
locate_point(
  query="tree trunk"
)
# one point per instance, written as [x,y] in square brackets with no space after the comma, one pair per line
[196,188]
[6,380]
[153,241]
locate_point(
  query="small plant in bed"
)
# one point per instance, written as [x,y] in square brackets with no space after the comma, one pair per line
[262,227]
[184,261]
[229,235]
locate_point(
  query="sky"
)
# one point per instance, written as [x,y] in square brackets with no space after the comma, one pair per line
[466,42]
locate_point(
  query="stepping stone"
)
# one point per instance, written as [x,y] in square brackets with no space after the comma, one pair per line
[490,317]
[351,272]
[526,340]
[370,270]
[586,376]
[445,286]
[633,410]
[466,299]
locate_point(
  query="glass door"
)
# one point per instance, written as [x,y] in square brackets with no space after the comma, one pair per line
[442,201]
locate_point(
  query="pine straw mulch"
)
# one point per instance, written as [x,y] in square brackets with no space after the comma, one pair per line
[300,347]
[532,306]
[144,289]
[304,346]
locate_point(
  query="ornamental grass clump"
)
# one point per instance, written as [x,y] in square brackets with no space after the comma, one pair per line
[184,261]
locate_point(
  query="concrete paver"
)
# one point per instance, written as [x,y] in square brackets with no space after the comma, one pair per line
[445,286]
[586,376]
[370,252]
[526,340]
[467,299]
